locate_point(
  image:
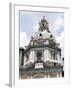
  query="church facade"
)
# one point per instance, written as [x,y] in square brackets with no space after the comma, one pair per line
[42,57]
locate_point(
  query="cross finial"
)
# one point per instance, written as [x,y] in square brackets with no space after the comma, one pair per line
[43,17]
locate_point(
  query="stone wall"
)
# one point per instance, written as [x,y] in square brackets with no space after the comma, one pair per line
[42,75]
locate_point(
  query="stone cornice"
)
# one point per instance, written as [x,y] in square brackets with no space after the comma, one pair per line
[41,46]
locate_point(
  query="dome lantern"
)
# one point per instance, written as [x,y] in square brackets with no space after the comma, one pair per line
[43,24]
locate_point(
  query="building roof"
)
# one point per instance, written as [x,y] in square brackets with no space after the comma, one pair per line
[43,36]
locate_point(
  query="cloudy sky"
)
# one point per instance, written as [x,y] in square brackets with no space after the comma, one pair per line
[29,25]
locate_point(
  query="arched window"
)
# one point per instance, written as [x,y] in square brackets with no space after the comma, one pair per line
[53,55]
[39,55]
[40,34]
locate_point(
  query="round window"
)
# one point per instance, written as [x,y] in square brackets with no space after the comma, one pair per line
[50,36]
[40,34]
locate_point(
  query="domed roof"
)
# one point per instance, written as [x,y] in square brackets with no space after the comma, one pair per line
[41,35]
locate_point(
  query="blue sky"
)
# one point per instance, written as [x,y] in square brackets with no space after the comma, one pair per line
[29,25]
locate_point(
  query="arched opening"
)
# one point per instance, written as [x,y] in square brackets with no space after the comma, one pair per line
[39,55]
[40,34]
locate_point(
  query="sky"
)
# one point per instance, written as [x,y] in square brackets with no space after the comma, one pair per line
[29,21]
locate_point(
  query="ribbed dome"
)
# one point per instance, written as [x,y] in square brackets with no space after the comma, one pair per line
[42,35]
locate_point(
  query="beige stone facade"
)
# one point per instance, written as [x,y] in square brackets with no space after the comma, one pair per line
[42,75]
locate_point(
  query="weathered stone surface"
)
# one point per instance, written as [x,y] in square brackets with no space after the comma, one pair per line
[42,57]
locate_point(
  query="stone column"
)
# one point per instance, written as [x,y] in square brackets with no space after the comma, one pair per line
[24,60]
[31,56]
[29,76]
[20,58]
[57,74]
[45,76]
[45,55]
[60,74]
[58,56]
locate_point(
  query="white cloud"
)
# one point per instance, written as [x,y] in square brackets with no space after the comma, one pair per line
[35,27]
[23,39]
[35,24]
[60,39]
[59,22]
[59,35]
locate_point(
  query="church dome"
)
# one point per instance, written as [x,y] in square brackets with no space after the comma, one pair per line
[43,32]
[41,35]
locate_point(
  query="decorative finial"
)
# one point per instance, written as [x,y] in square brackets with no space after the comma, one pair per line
[43,17]
[43,24]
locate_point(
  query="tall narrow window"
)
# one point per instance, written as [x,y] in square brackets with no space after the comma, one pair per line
[27,57]
[39,54]
[53,55]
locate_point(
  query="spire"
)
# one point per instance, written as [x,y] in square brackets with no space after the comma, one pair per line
[43,24]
